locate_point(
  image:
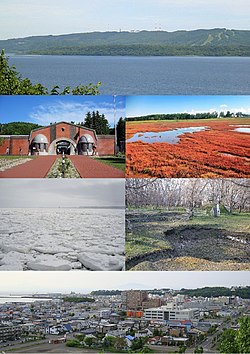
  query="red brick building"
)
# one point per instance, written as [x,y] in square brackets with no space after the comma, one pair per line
[56,138]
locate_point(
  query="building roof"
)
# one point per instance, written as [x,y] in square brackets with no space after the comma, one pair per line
[40,138]
[86,138]
[63,122]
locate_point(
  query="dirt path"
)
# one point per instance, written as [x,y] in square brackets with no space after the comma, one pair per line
[89,168]
[37,168]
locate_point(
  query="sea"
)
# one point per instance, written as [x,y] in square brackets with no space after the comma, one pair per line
[62,239]
[11,299]
[128,75]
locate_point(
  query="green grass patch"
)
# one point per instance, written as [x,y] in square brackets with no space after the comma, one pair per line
[148,236]
[116,162]
[11,157]
[235,222]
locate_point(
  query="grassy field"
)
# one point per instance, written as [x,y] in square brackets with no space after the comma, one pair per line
[168,240]
[116,162]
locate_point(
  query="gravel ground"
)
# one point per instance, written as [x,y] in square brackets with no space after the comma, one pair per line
[6,163]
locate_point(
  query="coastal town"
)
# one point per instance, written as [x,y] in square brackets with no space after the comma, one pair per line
[159,320]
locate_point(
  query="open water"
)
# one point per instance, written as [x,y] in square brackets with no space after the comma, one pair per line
[169,136]
[11,299]
[140,75]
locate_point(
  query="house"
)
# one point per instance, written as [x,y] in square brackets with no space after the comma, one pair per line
[129,340]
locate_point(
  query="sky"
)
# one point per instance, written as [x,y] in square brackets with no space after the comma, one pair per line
[145,105]
[46,109]
[33,17]
[25,193]
[31,282]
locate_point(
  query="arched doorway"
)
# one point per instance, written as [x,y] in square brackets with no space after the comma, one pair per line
[85,145]
[39,145]
[60,145]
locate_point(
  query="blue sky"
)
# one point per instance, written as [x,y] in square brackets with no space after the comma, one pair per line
[144,105]
[46,109]
[34,17]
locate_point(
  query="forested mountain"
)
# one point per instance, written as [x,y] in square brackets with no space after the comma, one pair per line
[17,128]
[218,41]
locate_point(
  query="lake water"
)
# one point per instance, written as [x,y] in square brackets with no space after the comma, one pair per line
[242,130]
[141,75]
[169,136]
[61,239]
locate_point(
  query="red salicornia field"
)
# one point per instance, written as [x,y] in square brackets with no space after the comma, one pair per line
[221,149]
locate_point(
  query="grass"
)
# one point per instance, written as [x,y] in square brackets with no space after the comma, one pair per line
[15,157]
[116,162]
[148,236]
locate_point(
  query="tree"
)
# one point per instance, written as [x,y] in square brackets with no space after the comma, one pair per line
[242,336]
[98,122]
[228,343]
[120,129]
[72,343]
[89,341]
[12,83]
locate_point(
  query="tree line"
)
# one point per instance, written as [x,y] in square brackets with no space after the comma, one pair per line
[233,194]
[144,50]
[78,299]
[186,116]
[244,293]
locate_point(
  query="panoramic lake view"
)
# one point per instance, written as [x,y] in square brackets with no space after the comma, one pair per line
[128,75]
[61,239]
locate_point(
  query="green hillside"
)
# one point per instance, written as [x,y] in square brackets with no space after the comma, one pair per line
[199,42]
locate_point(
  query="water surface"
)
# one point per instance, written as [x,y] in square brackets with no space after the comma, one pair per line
[242,130]
[123,75]
[169,136]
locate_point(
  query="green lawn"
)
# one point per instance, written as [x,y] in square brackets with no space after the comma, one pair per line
[116,162]
[10,157]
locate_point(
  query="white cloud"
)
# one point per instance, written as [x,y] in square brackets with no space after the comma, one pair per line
[71,111]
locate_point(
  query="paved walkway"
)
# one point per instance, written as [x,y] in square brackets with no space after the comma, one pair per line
[40,166]
[90,168]
[36,168]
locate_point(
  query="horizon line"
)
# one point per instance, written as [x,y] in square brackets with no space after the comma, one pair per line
[126,31]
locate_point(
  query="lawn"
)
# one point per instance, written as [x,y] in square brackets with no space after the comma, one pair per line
[116,162]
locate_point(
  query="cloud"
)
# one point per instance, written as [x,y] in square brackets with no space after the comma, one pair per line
[74,111]
[51,193]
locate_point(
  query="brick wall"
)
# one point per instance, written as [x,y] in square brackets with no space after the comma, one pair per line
[106,145]
[45,131]
[4,143]
[62,130]
[14,143]
[17,142]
